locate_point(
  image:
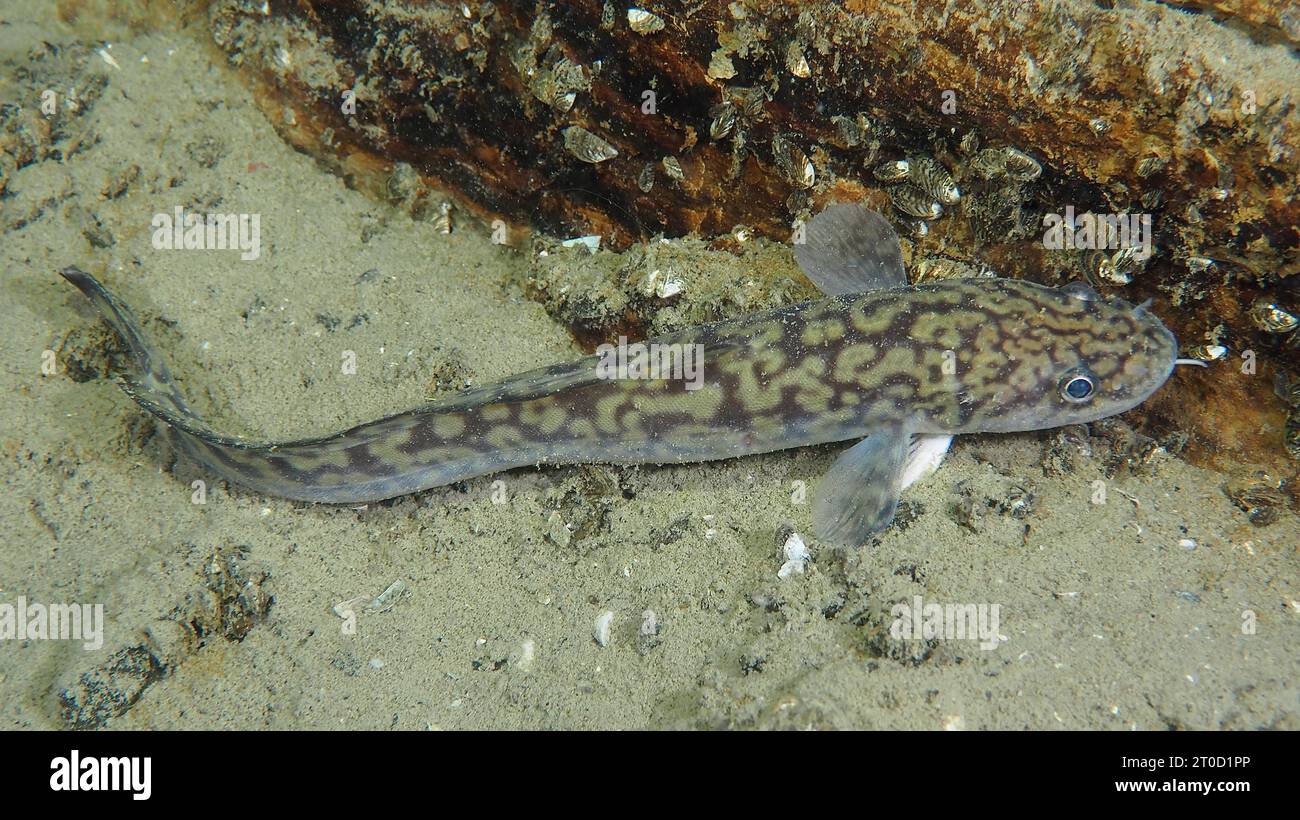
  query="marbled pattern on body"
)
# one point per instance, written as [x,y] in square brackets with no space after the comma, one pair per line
[956,356]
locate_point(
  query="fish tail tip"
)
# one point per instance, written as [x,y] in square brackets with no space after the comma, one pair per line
[83,281]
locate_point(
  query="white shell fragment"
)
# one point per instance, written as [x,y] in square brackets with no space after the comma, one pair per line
[644,22]
[669,287]
[720,66]
[527,655]
[664,285]
[797,556]
[592,242]
[348,609]
[601,631]
[649,624]
[382,602]
[385,600]
[108,58]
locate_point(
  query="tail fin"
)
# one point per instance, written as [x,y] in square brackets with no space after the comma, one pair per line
[391,456]
[147,380]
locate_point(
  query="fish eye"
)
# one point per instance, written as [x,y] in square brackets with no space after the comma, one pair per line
[1078,385]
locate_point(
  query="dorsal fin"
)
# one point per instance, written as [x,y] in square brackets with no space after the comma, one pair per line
[850,249]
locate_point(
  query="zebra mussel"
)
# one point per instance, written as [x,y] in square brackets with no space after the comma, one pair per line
[892,172]
[442,222]
[796,62]
[1206,352]
[1288,389]
[996,182]
[749,100]
[852,131]
[933,268]
[970,143]
[673,169]
[1020,166]
[732,117]
[915,202]
[1258,495]
[793,162]
[990,163]
[1149,166]
[646,179]
[560,82]
[921,186]
[932,178]
[1105,267]
[723,121]
[1271,317]
[586,146]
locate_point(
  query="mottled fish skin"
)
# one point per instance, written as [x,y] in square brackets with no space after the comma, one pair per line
[955,356]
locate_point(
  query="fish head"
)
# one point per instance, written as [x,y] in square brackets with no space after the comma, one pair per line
[1051,357]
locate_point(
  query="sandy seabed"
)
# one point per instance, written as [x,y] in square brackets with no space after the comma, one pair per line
[1162,607]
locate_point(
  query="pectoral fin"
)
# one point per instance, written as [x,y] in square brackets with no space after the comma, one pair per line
[850,249]
[859,494]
